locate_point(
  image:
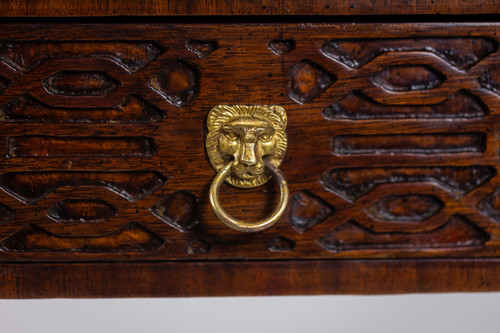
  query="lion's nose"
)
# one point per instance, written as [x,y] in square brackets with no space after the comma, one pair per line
[248,153]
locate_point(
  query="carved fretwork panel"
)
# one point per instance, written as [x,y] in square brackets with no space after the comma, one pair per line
[393,141]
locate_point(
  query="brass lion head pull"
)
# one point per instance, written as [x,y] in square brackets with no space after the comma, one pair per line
[246,144]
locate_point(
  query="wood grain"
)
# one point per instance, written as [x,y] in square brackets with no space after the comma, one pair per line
[51,8]
[247,278]
[374,173]
[79,147]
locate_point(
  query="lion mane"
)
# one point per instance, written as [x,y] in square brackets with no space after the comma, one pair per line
[221,114]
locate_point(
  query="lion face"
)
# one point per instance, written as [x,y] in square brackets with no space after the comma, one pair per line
[246,135]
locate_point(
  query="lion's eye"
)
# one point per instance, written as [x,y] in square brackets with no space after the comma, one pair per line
[231,136]
[266,137]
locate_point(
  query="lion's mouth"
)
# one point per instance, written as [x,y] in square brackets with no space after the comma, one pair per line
[248,172]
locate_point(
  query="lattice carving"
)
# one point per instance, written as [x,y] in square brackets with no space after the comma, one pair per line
[393,141]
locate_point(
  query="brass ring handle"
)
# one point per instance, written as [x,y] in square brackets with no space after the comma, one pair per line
[241,225]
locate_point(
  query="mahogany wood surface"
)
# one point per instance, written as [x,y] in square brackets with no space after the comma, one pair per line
[247,278]
[62,8]
[392,158]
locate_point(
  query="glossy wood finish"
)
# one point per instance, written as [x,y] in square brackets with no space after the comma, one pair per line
[51,8]
[393,154]
[247,278]
[345,173]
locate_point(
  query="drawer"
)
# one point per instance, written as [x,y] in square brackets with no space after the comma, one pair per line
[391,162]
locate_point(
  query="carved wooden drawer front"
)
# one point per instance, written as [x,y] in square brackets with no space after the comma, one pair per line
[393,147]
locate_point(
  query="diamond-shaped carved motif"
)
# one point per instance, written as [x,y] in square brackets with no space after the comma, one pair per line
[202,48]
[281,244]
[307,210]
[490,79]
[281,46]
[307,80]
[490,205]
[6,214]
[198,246]
[178,209]
[177,82]
[4,83]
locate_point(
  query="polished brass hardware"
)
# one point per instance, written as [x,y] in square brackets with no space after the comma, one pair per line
[246,144]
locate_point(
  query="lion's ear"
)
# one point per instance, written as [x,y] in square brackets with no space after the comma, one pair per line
[213,114]
[280,113]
